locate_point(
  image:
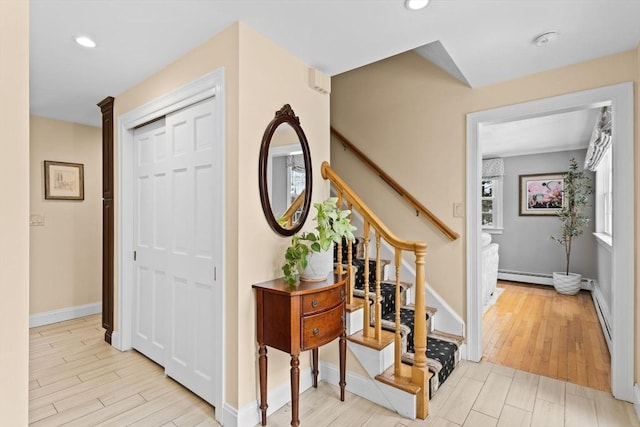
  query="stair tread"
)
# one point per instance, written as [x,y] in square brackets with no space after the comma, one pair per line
[402,284]
[430,310]
[386,338]
[356,304]
[402,381]
[457,339]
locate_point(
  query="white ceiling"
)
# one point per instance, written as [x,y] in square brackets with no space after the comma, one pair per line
[488,40]
[545,134]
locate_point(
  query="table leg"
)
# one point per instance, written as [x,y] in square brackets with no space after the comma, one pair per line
[314,368]
[262,365]
[295,389]
[343,364]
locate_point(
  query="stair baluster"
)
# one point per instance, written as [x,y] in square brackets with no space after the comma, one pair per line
[378,300]
[397,353]
[367,310]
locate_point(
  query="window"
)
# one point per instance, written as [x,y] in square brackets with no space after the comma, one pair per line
[492,204]
[604,202]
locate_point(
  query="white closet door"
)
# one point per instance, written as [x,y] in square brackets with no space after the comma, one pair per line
[151,166]
[194,146]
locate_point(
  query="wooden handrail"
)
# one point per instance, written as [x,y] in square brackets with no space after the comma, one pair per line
[419,207]
[286,217]
[367,214]
[419,370]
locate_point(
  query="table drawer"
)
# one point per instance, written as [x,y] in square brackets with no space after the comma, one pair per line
[319,329]
[321,301]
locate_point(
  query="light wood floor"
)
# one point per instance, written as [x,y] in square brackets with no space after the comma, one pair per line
[535,329]
[78,380]
[475,395]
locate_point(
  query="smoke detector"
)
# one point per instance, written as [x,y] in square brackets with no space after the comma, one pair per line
[546,38]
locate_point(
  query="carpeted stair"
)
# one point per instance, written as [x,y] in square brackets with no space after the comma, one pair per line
[442,350]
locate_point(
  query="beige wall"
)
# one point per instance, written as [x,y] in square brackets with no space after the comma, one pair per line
[14,211]
[66,253]
[269,78]
[260,78]
[637,216]
[406,105]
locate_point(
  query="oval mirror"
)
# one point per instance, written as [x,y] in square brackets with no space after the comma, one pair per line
[284,173]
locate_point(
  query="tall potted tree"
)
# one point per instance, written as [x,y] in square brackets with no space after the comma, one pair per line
[576,191]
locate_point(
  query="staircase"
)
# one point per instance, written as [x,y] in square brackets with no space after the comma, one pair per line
[407,359]
[442,350]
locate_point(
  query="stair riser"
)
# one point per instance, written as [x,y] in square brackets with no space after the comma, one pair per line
[373,361]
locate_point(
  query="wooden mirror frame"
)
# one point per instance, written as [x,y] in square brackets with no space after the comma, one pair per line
[284,115]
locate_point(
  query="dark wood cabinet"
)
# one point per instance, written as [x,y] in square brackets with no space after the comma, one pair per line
[299,318]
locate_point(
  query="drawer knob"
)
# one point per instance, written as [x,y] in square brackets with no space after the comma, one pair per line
[316,331]
[314,303]
[341,293]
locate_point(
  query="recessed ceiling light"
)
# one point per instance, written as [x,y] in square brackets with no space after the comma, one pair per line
[546,38]
[415,4]
[85,41]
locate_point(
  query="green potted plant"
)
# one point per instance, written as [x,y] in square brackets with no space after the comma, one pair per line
[576,191]
[310,255]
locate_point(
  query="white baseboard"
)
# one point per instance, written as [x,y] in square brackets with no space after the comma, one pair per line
[116,341]
[249,415]
[604,315]
[55,316]
[356,384]
[636,404]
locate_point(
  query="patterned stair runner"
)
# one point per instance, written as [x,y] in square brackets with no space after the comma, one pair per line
[442,355]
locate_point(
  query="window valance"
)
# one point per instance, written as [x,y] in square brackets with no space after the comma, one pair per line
[600,139]
[492,168]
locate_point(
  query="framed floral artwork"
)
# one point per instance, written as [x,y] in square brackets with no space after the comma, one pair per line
[541,194]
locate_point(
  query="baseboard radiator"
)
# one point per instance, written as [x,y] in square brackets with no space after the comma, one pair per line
[536,278]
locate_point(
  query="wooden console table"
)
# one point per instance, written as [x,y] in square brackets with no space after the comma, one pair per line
[298,318]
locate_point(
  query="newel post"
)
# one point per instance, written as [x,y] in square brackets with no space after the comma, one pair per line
[420,372]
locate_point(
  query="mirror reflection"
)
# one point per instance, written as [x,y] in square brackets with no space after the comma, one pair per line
[285,175]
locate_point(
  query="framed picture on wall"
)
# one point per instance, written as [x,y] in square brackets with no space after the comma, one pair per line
[541,194]
[63,181]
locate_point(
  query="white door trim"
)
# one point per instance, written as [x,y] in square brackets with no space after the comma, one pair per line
[621,98]
[207,86]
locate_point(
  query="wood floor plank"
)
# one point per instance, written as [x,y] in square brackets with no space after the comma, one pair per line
[37,414]
[514,417]
[62,418]
[108,412]
[547,414]
[535,329]
[580,412]
[522,393]
[117,395]
[459,404]
[493,395]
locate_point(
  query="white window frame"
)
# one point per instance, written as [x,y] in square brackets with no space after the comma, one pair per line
[497,226]
[603,196]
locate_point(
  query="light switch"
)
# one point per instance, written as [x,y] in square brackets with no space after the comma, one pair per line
[36,220]
[458,210]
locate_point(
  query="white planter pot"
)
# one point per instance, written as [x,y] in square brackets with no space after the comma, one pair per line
[567,284]
[319,265]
